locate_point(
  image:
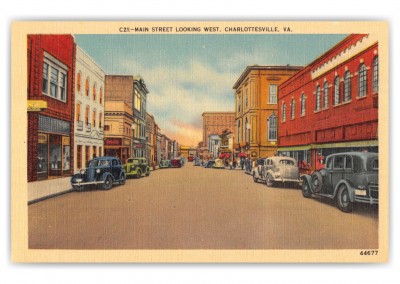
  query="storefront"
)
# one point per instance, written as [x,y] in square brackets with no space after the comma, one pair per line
[139,150]
[117,147]
[53,148]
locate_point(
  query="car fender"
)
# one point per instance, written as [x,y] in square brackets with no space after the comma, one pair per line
[349,186]
[105,175]
[255,173]
[307,179]
[271,173]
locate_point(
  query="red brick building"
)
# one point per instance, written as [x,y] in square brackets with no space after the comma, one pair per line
[331,105]
[51,68]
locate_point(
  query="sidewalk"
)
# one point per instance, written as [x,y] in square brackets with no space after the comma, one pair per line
[40,190]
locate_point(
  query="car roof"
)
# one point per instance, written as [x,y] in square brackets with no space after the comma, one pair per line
[105,158]
[359,154]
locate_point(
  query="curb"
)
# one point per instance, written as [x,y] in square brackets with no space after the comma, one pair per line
[49,196]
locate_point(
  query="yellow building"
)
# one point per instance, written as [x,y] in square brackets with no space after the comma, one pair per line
[118,130]
[256,103]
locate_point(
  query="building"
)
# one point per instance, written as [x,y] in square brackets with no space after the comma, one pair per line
[214,144]
[331,105]
[256,110]
[133,91]
[151,145]
[226,142]
[118,121]
[89,110]
[214,123]
[51,97]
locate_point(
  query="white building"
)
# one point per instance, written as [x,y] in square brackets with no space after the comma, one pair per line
[214,143]
[89,110]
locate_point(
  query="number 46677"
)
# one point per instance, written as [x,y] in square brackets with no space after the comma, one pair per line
[369,252]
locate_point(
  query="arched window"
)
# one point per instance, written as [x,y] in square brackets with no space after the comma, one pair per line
[326,95]
[375,74]
[292,109]
[318,98]
[87,115]
[347,87]
[336,100]
[94,91]
[78,112]
[87,87]
[101,95]
[303,105]
[272,128]
[94,119]
[100,119]
[362,81]
[283,112]
[79,82]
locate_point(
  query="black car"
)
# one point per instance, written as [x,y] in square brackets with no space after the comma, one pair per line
[104,171]
[209,164]
[348,177]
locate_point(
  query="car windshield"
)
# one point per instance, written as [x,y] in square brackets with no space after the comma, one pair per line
[286,162]
[133,161]
[97,163]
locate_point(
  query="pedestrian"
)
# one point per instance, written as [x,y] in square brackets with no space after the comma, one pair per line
[241,163]
[234,163]
[230,164]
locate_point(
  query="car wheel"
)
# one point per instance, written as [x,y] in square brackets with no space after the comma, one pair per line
[254,178]
[139,173]
[148,172]
[316,181]
[77,187]
[108,183]
[122,179]
[269,180]
[305,189]
[343,199]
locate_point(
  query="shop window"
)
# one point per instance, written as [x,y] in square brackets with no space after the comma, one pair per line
[42,165]
[55,155]
[336,96]
[362,81]
[54,81]
[347,87]
[273,94]
[66,157]
[326,95]
[317,99]
[303,105]
[272,128]
[375,74]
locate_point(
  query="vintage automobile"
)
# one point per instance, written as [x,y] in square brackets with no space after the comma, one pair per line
[348,177]
[277,169]
[190,158]
[104,171]
[136,167]
[176,163]
[197,161]
[165,164]
[218,164]
[209,164]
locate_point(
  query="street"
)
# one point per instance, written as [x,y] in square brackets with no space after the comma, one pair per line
[198,208]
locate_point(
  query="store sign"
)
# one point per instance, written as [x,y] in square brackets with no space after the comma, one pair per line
[49,124]
[36,105]
[140,146]
[113,142]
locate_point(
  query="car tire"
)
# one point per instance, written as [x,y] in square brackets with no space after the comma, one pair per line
[77,187]
[254,177]
[108,183]
[139,173]
[316,182]
[269,181]
[305,189]
[122,179]
[343,199]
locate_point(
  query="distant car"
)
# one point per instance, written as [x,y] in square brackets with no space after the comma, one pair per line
[349,178]
[197,161]
[218,164]
[176,163]
[104,171]
[165,164]
[209,164]
[190,159]
[136,167]
[277,169]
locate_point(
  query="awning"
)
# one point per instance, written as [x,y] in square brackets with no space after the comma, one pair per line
[367,143]
[294,148]
[242,154]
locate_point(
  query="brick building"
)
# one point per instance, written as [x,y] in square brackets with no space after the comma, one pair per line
[331,105]
[214,123]
[51,97]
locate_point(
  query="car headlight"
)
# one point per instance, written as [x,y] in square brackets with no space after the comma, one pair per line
[98,171]
[78,180]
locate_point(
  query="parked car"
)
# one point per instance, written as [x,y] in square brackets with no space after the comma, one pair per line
[278,169]
[348,177]
[209,164]
[176,163]
[104,171]
[197,161]
[190,159]
[165,164]
[218,164]
[136,167]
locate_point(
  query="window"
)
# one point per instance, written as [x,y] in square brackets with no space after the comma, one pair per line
[347,87]
[283,112]
[94,152]
[87,115]
[137,102]
[94,92]
[87,152]
[292,109]
[317,99]
[375,75]
[78,81]
[238,134]
[101,95]
[87,87]
[272,128]
[79,157]
[106,127]
[336,100]
[247,131]
[78,112]
[362,81]
[239,103]
[348,163]
[272,98]
[326,95]
[246,99]
[100,119]
[303,105]
[94,118]
[338,162]
[54,80]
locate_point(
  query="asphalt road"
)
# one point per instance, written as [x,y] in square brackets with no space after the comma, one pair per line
[198,208]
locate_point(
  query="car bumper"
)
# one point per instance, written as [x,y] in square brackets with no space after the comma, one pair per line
[86,183]
[287,180]
[366,199]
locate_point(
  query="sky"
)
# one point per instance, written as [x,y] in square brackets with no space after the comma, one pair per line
[187,75]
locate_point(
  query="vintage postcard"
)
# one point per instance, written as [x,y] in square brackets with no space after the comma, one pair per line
[200,141]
